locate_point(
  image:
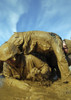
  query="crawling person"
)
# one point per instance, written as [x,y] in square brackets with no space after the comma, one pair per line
[26,67]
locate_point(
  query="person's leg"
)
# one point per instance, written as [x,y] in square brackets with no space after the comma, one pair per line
[36,68]
[9,71]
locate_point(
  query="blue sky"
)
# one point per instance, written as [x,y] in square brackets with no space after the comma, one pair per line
[43,15]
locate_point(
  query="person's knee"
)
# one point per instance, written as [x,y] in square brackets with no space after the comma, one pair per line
[45,69]
[29,57]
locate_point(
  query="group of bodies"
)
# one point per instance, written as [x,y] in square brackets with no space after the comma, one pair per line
[35,55]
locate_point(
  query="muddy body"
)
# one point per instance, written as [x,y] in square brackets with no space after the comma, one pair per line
[29,67]
[47,44]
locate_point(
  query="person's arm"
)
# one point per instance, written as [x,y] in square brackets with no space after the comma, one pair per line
[61,59]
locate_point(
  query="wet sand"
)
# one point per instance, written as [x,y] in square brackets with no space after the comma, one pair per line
[12,89]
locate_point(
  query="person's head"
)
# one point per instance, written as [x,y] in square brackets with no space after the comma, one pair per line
[65,47]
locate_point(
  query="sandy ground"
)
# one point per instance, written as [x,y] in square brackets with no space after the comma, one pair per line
[11,89]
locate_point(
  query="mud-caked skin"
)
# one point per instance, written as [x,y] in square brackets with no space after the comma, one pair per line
[32,42]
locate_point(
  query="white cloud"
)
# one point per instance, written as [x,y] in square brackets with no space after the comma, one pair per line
[55,16]
[10,11]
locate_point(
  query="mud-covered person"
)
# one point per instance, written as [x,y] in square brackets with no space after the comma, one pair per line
[39,42]
[26,67]
[21,66]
